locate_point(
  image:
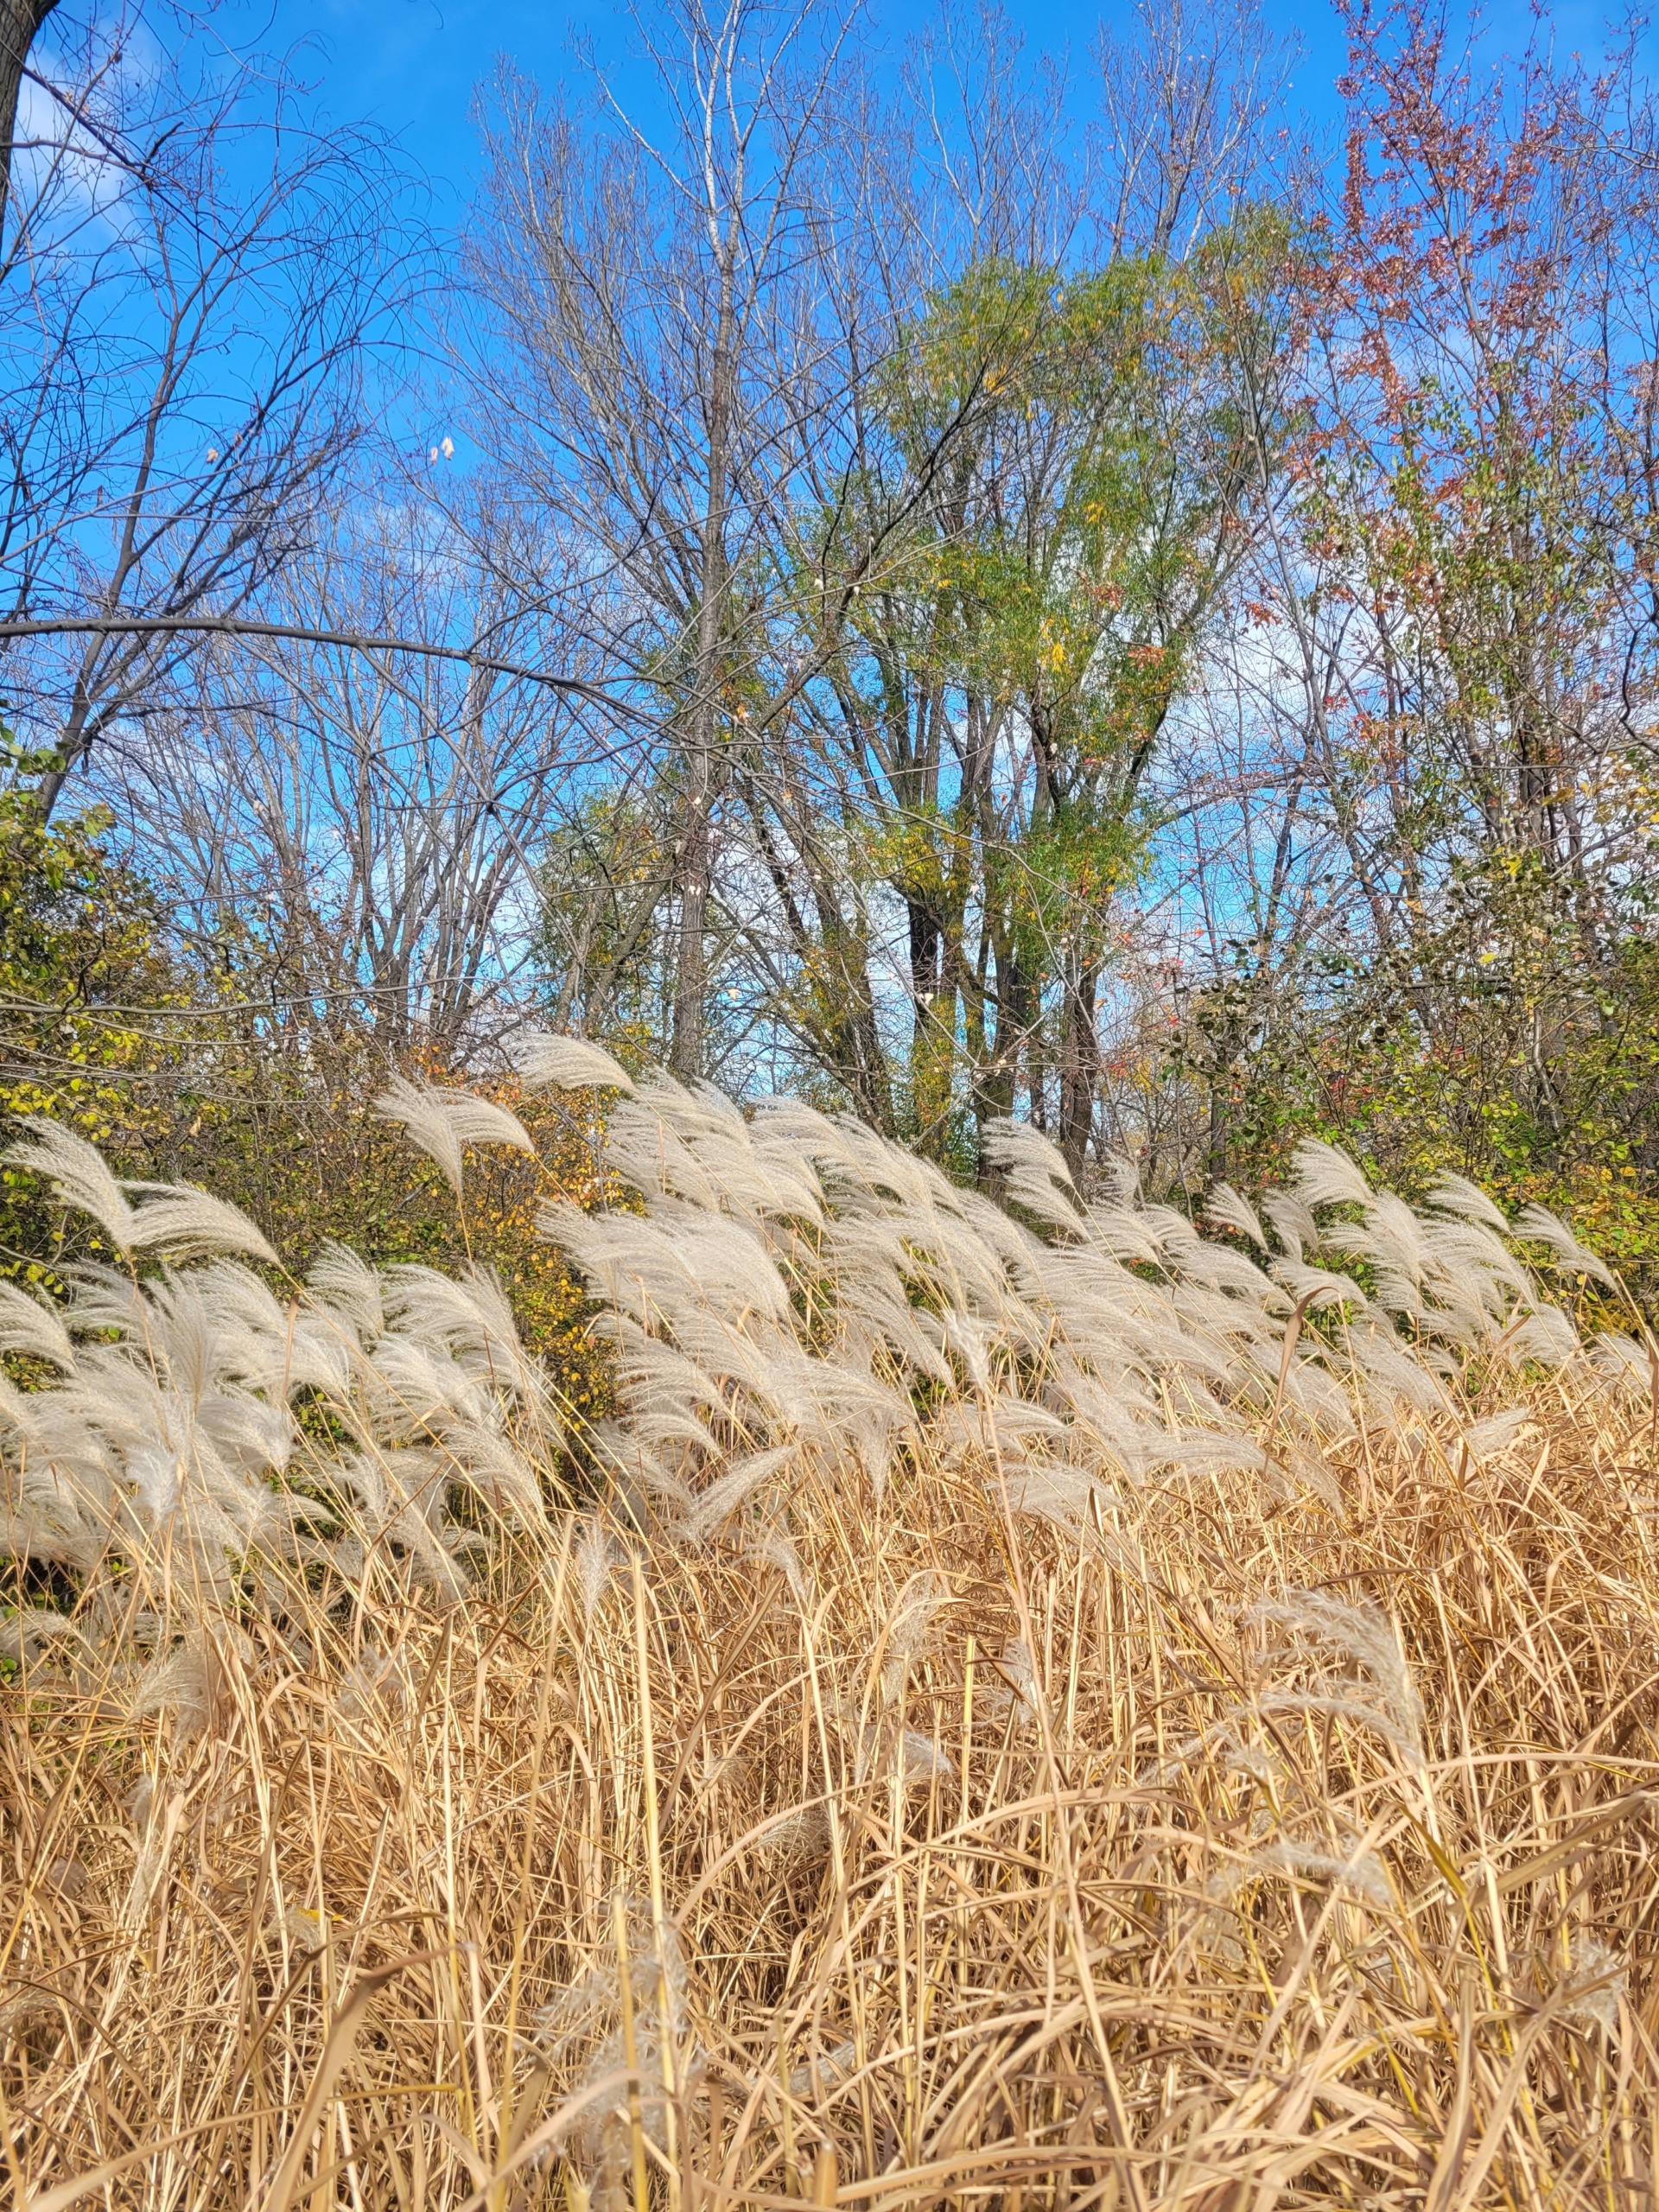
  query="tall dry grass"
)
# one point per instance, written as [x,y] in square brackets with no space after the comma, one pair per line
[1055,1719]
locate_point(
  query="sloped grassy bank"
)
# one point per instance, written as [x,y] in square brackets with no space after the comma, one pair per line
[1041,1707]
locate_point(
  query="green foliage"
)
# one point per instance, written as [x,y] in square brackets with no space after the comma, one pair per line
[174,1070]
[1491,1043]
[82,969]
[1006,672]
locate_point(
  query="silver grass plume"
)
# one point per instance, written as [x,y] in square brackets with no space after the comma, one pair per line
[547,1062]
[727,1495]
[584,2022]
[31,1328]
[1355,1868]
[1538,1226]
[1485,1440]
[442,1121]
[1231,1209]
[78,1173]
[185,1224]
[1293,1223]
[31,1631]
[1593,1985]
[1326,1176]
[1015,1688]
[1455,1194]
[1363,1636]
[598,1557]
[170,1218]
[910,1626]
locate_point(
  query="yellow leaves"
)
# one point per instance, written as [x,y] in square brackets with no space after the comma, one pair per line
[923,851]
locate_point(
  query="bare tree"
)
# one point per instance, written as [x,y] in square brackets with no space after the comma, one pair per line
[654,365]
[195,283]
[1187,101]
[360,835]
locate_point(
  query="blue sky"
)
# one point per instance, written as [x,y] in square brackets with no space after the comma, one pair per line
[411,66]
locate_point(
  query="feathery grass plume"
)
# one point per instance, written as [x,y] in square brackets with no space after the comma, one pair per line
[1355,1868]
[920,1760]
[442,1121]
[1075,1498]
[775,1547]
[1325,1176]
[1035,1174]
[78,1173]
[185,1224]
[1537,1226]
[1483,1440]
[1318,1290]
[1124,1233]
[1381,1360]
[1362,1635]
[824,2070]
[793,1834]
[1545,1335]
[170,1218]
[549,1062]
[1216,1266]
[909,1627]
[1293,1224]
[501,1478]
[598,1556]
[156,1819]
[471,1317]
[1617,1354]
[1455,1194]
[1390,1239]
[43,1522]
[1593,1985]
[1209,1449]
[33,1630]
[375,1685]
[399,1518]
[347,1291]
[668,1267]
[713,1507]
[1013,1687]
[30,1328]
[1229,1208]
[696,1145]
[184,1682]
[586,2022]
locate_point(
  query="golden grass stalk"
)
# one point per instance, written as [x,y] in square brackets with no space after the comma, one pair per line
[1315,1965]
[987,1813]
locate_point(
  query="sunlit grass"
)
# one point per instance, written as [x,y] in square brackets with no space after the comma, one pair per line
[994,1817]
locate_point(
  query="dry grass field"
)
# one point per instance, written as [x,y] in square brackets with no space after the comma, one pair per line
[1031,1708]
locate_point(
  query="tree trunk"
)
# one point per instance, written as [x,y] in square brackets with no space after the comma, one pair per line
[20,22]
[695,855]
[1079,1063]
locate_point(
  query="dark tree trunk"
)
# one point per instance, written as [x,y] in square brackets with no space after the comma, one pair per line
[20,22]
